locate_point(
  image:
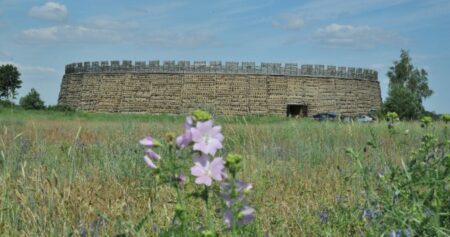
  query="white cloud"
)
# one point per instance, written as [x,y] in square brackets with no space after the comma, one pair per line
[30,69]
[104,31]
[289,21]
[70,33]
[51,11]
[331,9]
[335,35]
[110,24]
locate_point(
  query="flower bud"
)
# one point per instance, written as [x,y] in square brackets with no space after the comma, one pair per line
[156,143]
[233,162]
[200,115]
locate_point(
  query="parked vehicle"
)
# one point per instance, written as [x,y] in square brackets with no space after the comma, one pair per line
[363,118]
[325,116]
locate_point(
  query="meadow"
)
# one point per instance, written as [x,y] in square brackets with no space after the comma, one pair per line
[82,174]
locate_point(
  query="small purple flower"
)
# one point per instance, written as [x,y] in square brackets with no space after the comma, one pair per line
[207,138]
[400,233]
[240,188]
[245,216]
[181,179]
[207,171]
[149,162]
[147,141]
[150,155]
[323,215]
[186,138]
[367,213]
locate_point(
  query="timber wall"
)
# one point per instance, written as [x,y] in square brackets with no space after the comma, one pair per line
[232,88]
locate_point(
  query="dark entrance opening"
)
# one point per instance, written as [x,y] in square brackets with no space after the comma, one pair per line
[294,110]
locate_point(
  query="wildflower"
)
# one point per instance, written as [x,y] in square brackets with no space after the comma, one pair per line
[181,180]
[245,216]
[207,138]
[149,162]
[400,233]
[147,141]
[186,138]
[207,171]
[368,213]
[323,215]
[150,155]
[237,194]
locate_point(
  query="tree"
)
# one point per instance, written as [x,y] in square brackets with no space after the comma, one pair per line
[408,87]
[402,101]
[9,81]
[32,101]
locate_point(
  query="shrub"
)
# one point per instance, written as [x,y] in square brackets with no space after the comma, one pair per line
[32,101]
[410,199]
[60,108]
[6,104]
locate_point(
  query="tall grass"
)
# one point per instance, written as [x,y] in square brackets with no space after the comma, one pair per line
[65,174]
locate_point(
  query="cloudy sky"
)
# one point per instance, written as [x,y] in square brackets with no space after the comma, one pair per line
[40,37]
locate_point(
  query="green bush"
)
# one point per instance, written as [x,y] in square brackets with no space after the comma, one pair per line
[32,101]
[7,104]
[60,108]
[411,198]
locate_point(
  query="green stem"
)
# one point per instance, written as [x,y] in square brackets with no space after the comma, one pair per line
[208,210]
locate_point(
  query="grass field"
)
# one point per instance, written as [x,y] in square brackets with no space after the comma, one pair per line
[68,174]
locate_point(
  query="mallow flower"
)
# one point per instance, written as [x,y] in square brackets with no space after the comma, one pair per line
[207,138]
[150,156]
[186,138]
[147,141]
[231,196]
[244,216]
[206,171]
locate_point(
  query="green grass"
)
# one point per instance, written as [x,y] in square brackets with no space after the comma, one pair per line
[62,172]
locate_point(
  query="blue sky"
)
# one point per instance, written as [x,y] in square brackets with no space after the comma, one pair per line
[40,37]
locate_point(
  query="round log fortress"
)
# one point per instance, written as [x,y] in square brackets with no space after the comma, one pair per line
[231,88]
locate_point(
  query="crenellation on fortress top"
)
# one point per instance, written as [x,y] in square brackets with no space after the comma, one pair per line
[288,69]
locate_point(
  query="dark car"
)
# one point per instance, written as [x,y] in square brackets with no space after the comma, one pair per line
[325,116]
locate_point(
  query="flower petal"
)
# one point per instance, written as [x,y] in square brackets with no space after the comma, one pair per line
[217,167]
[206,180]
[198,170]
[152,155]
[147,141]
[149,162]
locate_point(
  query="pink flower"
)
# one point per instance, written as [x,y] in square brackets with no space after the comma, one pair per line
[151,156]
[185,139]
[149,162]
[245,215]
[147,141]
[207,171]
[150,153]
[207,138]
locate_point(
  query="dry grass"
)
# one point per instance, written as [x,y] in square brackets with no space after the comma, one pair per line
[59,177]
